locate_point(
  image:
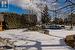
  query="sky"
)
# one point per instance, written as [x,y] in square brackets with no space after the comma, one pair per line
[18,6]
[14,8]
[23,6]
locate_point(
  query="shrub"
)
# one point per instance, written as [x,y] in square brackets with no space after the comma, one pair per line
[70,40]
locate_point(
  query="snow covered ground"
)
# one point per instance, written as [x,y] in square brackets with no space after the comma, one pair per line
[33,40]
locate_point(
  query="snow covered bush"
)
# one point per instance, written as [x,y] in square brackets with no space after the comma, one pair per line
[70,40]
[35,28]
[46,32]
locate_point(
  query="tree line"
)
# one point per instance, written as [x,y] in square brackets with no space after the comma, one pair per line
[14,20]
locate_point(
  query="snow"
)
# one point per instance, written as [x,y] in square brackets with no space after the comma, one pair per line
[33,40]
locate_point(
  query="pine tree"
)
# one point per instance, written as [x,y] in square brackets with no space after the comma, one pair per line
[45,15]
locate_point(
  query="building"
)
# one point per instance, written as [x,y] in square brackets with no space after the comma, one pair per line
[1,22]
[71,19]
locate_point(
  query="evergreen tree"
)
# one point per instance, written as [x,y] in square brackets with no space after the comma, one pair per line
[45,15]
